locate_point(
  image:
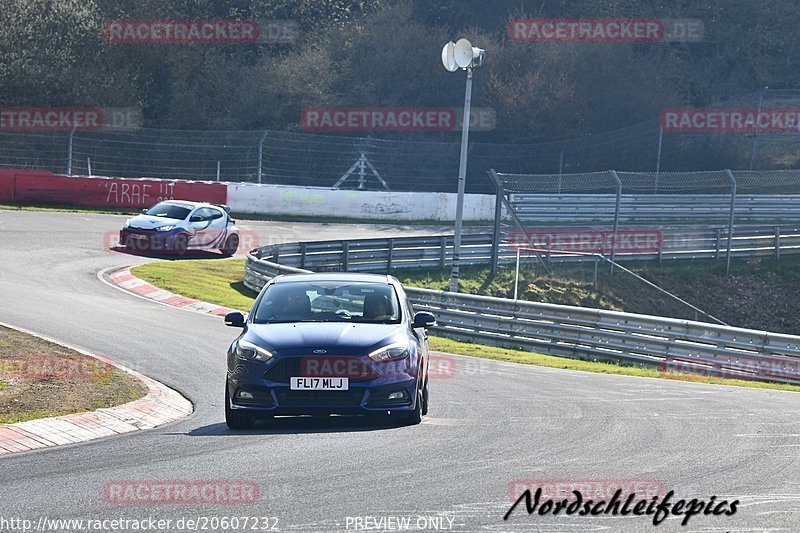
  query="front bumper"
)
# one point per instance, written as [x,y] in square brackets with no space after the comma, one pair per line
[361,398]
[148,240]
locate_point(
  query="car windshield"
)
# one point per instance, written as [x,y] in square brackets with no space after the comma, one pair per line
[329,301]
[167,210]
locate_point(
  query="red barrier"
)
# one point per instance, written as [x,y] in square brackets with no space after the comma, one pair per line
[48,188]
[7,185]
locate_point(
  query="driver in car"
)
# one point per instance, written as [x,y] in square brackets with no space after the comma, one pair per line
[297,304]
[375,306]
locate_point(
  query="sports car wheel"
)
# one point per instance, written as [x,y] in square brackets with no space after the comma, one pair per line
[231,245]
[180,244]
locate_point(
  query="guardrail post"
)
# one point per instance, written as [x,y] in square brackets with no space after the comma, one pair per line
[616,216]
[345,255]
[498,211]
[730,220]
[777,243]
[443,251]
[389,254]
[549,246]
[302,255]
[276,253]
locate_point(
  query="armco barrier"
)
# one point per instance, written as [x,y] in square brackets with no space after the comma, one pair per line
[381,255]
[47,188]
[577,332]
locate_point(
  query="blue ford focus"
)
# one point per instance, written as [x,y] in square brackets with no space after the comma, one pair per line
[333,343]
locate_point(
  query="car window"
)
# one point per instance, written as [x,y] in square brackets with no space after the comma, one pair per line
[329,301]
[214,214]
[204,213]
[167,210]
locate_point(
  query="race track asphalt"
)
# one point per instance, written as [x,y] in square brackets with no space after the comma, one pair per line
[490,424]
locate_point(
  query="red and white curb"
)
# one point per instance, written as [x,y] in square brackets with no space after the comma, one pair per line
[130,283]
[160,406]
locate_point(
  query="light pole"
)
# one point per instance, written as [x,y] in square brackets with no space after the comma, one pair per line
[461,55]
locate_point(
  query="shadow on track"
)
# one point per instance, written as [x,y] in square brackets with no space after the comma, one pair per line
[170,256]
[303,424]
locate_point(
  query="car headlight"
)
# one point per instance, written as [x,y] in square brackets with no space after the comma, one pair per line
[392,352]
[165,228]
[250,352]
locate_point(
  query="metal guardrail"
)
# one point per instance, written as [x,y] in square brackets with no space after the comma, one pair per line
[383,255]
[644,208]
[577,332]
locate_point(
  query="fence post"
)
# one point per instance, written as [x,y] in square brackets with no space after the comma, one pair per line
[498,210]
[616,217]
[777,243]
[658,155]
[261,153]
[69,151]
[443,251]
[730,220]
[719,236]
[345,255]
[302,255]
[594,278]
[389,256]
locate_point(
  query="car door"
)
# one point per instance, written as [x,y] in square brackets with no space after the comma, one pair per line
[217,227]
[199,224]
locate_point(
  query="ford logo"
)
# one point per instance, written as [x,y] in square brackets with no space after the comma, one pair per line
[320,352]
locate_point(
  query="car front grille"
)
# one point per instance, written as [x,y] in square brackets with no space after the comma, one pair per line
[291,398]
[290,367]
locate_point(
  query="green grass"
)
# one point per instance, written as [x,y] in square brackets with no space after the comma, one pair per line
[220,282]
[217,281]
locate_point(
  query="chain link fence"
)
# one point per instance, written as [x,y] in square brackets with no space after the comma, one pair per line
[431,164]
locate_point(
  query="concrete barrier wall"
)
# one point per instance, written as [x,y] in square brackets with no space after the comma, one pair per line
[377,205]
[39,187]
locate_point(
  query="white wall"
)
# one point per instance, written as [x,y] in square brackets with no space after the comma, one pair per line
[377,205]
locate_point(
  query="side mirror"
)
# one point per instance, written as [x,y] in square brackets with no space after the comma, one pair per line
[423,319]
[144,211]
[196,218]
[234,319]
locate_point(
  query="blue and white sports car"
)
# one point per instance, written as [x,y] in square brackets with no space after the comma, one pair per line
[177,226]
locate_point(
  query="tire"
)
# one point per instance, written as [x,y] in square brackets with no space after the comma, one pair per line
[231,245]
[425,398]
[180,244]
[236,419]
[412,418]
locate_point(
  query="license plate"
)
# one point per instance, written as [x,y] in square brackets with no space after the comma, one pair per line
[300,383]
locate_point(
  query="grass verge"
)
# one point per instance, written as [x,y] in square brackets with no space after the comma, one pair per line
[220,282]
[41,379]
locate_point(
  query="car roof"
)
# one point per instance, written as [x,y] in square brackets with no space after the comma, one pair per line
[189,203]
[336,276]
